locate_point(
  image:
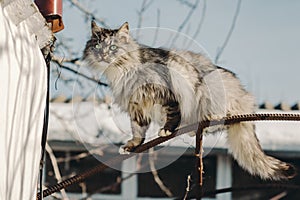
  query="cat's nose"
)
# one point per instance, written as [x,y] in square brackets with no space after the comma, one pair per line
[104,57]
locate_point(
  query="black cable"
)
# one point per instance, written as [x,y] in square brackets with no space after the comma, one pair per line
[45,124]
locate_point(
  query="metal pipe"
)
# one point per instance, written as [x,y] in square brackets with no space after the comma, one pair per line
[52,11]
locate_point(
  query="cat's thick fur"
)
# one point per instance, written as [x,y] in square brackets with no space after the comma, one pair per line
[176,88]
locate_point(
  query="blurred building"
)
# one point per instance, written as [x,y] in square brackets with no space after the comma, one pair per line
[82,132]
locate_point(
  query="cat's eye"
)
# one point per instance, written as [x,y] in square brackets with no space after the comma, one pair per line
[113,47]
[98,46]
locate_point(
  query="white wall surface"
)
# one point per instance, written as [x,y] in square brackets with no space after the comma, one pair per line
[22,98]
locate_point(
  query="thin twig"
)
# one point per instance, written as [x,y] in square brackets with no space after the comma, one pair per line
[56,169]
[156,176]
[279,196]
[187,32]
[141,12]
[199,162]
[185,2]
[188,187]
[62,60]
[108,187]
[119,180]
[86,11]
[198,29]
[80,74]
[97,151]
[76,157]
[157,27]
[221,49]
[185,21]
[83,188]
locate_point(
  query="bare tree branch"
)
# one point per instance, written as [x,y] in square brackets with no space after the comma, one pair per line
[56,169]
[63,44]
[76,72]
[97,151]
[279,196]
[139,168]
[187,32]
[119,179]
[61,60]
[141,12]
[221,49]
[156,176]
[157,27]
[87,12]
[83,188]
[198,29]
[188,187]
[185,21]
[185,2]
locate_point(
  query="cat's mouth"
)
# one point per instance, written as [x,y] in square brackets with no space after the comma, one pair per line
[100,59]
[103,63]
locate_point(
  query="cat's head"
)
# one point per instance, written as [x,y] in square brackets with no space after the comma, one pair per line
[106,45]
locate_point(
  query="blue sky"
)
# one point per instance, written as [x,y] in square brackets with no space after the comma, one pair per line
[264,50]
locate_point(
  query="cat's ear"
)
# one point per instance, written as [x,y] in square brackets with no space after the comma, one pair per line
[123,32]
[95,28]
[124,28]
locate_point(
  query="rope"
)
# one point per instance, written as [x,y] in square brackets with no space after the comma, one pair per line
[225,121]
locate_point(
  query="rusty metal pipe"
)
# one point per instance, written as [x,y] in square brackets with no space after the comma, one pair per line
[52,11]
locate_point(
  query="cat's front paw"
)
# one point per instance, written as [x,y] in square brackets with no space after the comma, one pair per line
[128,147]
[164,133]
[192,133]
[123,150]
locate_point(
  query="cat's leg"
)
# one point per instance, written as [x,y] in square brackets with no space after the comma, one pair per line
[173,118]
[138,137]
[139,126]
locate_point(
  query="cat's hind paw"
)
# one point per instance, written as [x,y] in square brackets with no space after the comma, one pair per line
[164,133]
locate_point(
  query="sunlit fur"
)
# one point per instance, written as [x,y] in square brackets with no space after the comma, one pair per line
[176,88]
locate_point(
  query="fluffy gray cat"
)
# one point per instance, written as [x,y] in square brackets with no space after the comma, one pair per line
[176,88]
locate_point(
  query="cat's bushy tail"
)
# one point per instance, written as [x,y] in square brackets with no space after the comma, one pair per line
[247,151]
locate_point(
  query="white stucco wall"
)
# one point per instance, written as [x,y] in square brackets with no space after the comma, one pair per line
[22,97]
